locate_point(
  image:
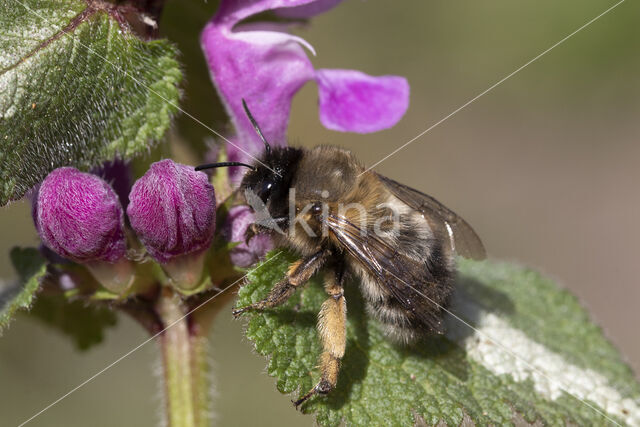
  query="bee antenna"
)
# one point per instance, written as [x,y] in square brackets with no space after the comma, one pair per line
[267,147]
[222,165]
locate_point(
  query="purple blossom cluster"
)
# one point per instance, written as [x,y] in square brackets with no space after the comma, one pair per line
[80,217]
[172,208]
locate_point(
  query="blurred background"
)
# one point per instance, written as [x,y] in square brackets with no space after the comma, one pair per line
[545,167]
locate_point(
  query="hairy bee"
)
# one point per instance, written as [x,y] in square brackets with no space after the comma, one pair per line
[398,241]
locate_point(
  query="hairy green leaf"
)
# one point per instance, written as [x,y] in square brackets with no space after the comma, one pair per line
[76,89]
[517,347]
[19,295]
[84,324]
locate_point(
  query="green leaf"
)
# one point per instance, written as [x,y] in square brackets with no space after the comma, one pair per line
[19,295]
[76,89]
[525,349]
[85,324]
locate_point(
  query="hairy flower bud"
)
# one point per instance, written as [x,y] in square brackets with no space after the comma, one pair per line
[172,209]
[246,253]
[79,217]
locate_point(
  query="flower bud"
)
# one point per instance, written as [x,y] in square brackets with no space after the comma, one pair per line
[246,253]
[172,209]
[79,217]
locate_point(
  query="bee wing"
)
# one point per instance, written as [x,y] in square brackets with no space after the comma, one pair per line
[406,280]
[464,240]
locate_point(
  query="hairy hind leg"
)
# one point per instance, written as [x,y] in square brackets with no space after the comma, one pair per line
[299,273]
[332,327]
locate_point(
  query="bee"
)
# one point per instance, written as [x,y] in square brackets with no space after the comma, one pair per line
[346,219]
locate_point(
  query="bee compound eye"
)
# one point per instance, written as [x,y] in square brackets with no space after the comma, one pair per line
[316,208]
[265,190]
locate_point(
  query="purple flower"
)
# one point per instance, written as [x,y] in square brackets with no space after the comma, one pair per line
[172,210]
[237,222]
[79,217]
[307,8]
[343,93]
[263,64]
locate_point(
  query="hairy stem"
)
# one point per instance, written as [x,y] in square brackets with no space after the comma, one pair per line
[185,368]
[200,380]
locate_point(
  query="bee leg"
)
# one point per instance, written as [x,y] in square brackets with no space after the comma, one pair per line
[332,327]
[299,273]
[254,228]
[252,231]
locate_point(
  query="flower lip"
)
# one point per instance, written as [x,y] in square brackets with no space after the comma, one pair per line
[79,217]
[354,101]
[172,210]
[267,66]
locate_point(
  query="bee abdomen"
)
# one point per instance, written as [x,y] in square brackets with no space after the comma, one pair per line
[397,324]
[423,317]
[403,326]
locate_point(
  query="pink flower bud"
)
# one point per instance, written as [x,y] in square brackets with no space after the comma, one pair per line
[245,254]
[79,217]
[172,209]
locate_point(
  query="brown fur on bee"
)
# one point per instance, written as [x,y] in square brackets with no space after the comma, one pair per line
[399,242]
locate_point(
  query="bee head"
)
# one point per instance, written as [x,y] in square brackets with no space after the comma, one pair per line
[271,176]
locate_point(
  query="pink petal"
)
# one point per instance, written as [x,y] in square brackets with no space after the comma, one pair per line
[234,229]
[231,12]
[351,101]
[308,10]
[264,68]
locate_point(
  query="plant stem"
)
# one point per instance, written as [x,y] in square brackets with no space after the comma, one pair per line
[185,369]
[200,380]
